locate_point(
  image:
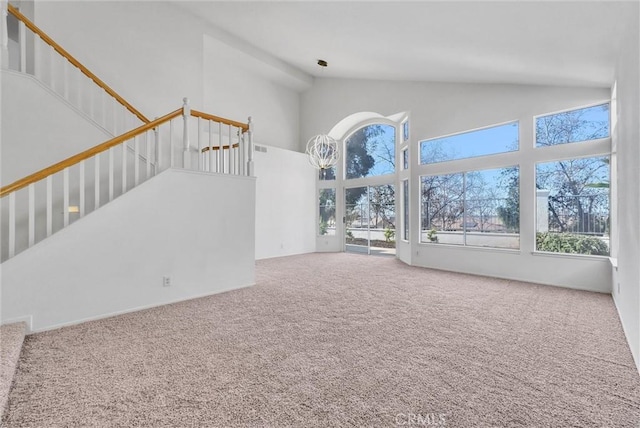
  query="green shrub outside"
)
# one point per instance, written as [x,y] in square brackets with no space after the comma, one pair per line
[570,243]
[389,234]
[323,227]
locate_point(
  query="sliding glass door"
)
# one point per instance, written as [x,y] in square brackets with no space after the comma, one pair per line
[370,219]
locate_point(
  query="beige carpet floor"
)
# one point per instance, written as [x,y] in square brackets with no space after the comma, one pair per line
[327,340]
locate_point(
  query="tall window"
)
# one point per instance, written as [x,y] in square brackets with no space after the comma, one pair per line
[475,208]
[573,201]
[371,152]
[405,210]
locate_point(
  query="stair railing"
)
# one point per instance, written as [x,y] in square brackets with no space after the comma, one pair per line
[57,69]
[36,206]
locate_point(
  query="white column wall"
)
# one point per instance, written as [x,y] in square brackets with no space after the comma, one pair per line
[626,279]
[285,203]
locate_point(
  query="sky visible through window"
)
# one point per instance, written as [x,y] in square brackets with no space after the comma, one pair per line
[384,152]
[573,126]
[487,141]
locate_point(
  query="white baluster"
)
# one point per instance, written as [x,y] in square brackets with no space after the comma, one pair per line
[37,51]
[241,151]
[156,145]
[124,167]
[250,171]
[210,146]
[230,150]
[200,159]
[238,152]
[111,173]
[104,102]
[148,147]
[91,99]
[136,161]
[4,55]
[12,224]
[75,76]
[65,78]
[81,190]
[65,196]
[49,205]
[186,112]
[96,182]
[220,150]
[32,214]
[114,109]
[171,154]
[22,34]
[52,54]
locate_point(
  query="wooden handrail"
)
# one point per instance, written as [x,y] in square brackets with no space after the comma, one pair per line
[15,12]
[206,149]
[207,116]
[44,173]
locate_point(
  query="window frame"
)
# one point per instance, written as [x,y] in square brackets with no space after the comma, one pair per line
[525,158]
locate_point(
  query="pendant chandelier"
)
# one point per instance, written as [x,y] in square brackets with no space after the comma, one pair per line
[323,152]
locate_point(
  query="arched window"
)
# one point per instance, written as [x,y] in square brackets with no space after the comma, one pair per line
[370,151]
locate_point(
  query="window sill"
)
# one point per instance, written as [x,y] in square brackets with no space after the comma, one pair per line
[571,256]
[469,248]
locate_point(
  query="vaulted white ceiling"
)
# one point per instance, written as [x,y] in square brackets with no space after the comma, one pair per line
[535,42]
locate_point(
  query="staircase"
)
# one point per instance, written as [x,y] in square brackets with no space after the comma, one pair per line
[181,183]
[11,338]
[47,201]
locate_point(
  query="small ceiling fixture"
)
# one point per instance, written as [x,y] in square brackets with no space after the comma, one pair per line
[323,152]
[322,63]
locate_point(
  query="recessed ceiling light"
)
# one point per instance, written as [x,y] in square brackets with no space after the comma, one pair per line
[322,63]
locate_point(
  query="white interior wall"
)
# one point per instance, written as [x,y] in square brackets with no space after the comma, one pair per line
[148,52]
[240,85]
[626,280]
[444,108]
[436,108]
[196,228]
[39,128]
[285,203]
[156,53]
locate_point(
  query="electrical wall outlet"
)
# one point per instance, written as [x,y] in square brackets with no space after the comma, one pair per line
[166,281]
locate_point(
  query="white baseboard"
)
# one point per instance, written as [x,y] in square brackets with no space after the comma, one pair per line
[137,308]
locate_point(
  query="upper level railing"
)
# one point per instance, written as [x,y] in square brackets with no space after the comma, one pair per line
[56,68]
[48,200]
